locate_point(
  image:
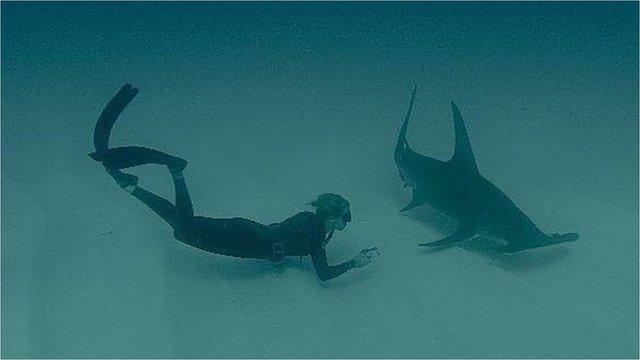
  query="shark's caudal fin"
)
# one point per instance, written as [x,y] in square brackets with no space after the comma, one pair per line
[108,118]
[463,155]
[402,136]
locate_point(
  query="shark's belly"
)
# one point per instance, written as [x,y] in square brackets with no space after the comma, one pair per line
[476,202]
[460,205]
[501,218]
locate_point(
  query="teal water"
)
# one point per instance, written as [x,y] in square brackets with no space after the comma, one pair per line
[274,103]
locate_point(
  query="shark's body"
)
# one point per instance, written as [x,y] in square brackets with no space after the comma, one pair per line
[457,189]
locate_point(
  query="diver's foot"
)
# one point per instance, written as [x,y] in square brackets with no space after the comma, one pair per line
[125,181]
[176,167]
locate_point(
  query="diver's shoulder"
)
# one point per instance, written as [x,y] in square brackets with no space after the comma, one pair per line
[303,218]
[307,214]
[238,221]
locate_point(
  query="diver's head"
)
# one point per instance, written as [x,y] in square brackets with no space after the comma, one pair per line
[334,211]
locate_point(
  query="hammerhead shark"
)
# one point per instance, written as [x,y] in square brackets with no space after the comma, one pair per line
[456,189]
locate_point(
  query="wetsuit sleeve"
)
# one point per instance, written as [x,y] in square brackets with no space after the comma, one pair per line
[324,271]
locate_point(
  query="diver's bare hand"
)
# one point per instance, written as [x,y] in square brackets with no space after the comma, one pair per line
[365,256]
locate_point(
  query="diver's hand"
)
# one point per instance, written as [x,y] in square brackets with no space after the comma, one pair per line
[365,257]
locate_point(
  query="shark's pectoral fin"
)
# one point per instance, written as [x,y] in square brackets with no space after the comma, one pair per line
[513,248]
[461,234]
[416,201]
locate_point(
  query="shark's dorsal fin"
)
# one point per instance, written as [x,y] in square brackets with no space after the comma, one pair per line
[462,155]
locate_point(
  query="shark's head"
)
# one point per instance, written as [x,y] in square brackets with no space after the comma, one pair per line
[405,176]
[333,210]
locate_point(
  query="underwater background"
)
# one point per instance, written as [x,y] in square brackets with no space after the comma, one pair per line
[274,103]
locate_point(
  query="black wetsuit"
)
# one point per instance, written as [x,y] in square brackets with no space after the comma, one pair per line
[302,234]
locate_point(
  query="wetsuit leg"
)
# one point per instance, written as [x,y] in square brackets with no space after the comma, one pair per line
[184,207]
[124,157]
[159,205]
[179,216]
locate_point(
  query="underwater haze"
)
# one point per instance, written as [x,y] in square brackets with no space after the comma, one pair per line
[275,103]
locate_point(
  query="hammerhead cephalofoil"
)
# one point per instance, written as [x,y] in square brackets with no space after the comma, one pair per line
[457,189]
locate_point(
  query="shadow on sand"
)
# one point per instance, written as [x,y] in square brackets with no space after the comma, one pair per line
[195,265]
[532,259]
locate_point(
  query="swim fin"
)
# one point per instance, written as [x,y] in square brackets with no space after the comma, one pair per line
[129,156]
[109,116]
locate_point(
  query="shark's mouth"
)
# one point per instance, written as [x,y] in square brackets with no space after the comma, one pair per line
[404,178]
[407,182]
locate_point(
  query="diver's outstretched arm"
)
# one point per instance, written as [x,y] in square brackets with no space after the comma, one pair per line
[324,271]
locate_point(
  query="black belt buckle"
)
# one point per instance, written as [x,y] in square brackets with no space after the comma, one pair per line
[278,252]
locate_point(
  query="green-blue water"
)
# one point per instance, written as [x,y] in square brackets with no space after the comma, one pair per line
[274,103]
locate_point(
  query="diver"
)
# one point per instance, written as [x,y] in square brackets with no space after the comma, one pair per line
[304,234]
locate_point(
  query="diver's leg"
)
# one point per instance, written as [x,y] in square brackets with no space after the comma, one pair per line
[159,205]
[184,207]
[124,180]
[124,157]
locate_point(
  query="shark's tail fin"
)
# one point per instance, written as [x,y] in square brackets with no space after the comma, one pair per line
[402,136]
